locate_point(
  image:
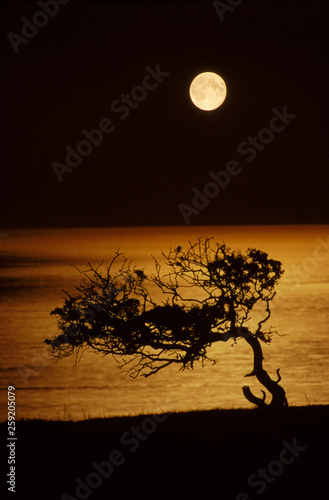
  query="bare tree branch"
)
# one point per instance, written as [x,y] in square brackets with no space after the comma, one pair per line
[208,295]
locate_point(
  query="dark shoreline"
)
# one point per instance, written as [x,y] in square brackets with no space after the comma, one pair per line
[210,453]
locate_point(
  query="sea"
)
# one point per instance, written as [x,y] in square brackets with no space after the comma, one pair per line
[38,265]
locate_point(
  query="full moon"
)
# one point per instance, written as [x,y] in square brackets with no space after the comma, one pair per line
[208,91]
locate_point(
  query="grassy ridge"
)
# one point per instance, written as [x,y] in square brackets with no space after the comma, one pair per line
[208,453]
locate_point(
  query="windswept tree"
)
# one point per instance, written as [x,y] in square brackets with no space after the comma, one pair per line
[208,295]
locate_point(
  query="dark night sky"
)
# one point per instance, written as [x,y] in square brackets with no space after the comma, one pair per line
[64,80]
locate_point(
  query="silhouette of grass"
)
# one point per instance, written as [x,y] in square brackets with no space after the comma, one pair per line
[204,452]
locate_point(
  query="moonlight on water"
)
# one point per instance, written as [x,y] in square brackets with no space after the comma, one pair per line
[208,91]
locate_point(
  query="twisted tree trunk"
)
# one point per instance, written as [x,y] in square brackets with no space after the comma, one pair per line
[279,399]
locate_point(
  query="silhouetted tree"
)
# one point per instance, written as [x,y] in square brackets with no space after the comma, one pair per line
[207,296]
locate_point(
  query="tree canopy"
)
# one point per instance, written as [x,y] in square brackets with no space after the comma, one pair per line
[207,294]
